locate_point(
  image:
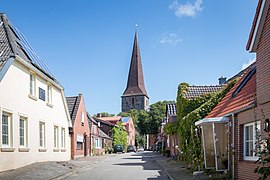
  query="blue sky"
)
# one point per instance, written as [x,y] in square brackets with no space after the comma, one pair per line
[88,44]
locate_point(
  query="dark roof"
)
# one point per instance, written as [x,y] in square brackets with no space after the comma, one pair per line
[91,119]
[241,96]
[13,43]
[171,108]
[135,83]
[257,25]
[105,122]
[102,134]
[197,91]
[73,106]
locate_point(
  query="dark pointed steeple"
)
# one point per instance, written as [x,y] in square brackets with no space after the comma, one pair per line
[135,83]
[135,96]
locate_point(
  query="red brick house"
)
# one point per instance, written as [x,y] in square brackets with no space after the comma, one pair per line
[129,126]
[111,119]
[99,140]
[80,131]
[222,129]
[244,111]
[172,140]
[106,127]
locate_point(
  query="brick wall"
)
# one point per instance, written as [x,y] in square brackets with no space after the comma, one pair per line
[245,169]
[81,130]
[263,64]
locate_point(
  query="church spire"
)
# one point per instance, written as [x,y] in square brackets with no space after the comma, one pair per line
[135,83]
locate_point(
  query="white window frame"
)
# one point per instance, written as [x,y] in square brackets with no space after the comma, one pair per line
[49,93]
[25,132]
[32,84]
[98,143]
[63,138]
[253,157]
[9,131]
[42,137]
[56,137]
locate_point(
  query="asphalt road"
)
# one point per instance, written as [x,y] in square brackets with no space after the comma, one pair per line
[129,166]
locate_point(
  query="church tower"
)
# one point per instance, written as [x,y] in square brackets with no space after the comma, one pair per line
[135,95]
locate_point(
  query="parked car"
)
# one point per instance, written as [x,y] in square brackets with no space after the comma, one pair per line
[118,148]
[140,149]
[131,148]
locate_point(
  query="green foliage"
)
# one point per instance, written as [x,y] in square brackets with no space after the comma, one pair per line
[139,140]
[157,113]
[104,114]
[132,113]
[263,152]
[148,122]
[170,128]
[190,111]
[119,135]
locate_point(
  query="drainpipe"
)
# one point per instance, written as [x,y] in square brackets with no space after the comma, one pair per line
[233,146]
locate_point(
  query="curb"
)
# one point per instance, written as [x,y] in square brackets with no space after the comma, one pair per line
[163,168]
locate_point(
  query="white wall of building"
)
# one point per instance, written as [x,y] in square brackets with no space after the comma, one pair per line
[14,99]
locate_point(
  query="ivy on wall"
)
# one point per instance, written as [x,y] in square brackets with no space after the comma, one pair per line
[188,112]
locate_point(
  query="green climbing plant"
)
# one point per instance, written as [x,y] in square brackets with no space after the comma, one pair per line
[188,112]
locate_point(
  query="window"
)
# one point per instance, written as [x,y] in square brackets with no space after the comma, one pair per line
[95,129]
[32,90]
[6,130]
[23,131]
[79,145]
[132,102]
[98,143]
[82,120]
[49,93]
[42,134]
[63,138]
[56,138]
[250,140]
[80,140]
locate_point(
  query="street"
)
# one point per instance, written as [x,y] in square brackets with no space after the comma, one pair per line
[123,166]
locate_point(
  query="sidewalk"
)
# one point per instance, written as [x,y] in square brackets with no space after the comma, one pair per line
[51,170]
[175,170]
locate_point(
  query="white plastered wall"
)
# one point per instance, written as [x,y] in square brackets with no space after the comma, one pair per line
[14,91]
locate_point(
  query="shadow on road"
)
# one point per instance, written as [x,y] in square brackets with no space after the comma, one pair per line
[147,162]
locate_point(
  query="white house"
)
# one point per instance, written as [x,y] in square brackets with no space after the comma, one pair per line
[34,119]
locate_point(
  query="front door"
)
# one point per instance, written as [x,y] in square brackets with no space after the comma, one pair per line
[85,144]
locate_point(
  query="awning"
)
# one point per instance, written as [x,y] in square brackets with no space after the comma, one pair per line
[212,120]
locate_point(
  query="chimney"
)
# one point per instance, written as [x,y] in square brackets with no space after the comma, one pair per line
[99,115]
[222,80]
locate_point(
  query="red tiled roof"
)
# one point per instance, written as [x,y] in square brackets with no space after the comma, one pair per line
[244,98]
[113,119]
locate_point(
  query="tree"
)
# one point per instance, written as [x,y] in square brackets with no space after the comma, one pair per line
[157,113]
[119,135]
[104,114]
[134,113]
[139,140]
